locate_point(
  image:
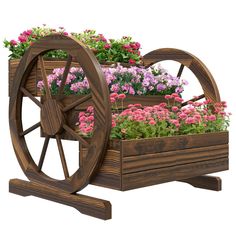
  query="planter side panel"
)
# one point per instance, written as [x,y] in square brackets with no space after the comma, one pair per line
[109,174]
[31,85]
[167,174]
[161,160]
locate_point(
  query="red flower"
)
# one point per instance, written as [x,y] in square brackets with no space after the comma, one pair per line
[107,46]
[132,61]
[137,45]
[126,46]
[22,38]
[13,42]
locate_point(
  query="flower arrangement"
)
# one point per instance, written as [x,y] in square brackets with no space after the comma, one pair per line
[121,50]
[28,37]
[165,119]
[111,50]
[133,80]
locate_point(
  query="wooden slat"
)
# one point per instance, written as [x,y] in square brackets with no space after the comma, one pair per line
[158,160]
[109,174]
[164,144]
[30,83]
[86,205]
[166,174]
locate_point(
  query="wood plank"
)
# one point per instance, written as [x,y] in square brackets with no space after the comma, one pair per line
[86,205]
[164,144]
[205,182]
[133,164]
[166,174]
[31,82]
[109,174]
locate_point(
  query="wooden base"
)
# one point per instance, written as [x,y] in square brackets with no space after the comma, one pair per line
[205,182]
[86,205]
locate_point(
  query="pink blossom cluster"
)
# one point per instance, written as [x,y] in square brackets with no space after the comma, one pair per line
[164,119]
[128,80]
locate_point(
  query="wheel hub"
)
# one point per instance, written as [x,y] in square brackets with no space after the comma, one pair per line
[52,118]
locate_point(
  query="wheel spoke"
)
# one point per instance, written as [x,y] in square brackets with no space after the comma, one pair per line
[75,135]
[193,100]
[77,102]
[43,153]
[30,96]
[30,129]
[44,75]
[65,74]
[180,70]
[62,156]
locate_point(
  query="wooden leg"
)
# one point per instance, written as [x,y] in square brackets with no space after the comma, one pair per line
[86,205]
[205,181]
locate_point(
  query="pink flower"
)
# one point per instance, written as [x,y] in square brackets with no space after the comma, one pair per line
[91,118]
[122,96]
[132,61]
[22,38]
[138,45]
[131,90]
[13,42]
[114,95]
[112,100]
[212,118]
[152,122]
[90,109]
[168,97]
[182,116]
[178,99]
[126,46]
[175,95]
[107,46]
[174,108]
[190,120]
[65,33]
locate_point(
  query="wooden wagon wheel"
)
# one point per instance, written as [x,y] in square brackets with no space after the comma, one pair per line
[53,113]
[193,63]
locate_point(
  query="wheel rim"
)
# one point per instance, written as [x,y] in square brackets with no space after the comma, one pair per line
[53,114]
[190,61]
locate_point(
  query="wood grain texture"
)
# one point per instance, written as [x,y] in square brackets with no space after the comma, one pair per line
[160,160]
[205,182]
[110,171]
[53,122]
[91,206]
[167,174]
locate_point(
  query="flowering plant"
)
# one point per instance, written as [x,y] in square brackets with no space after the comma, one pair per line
[165,119]
[111,50]
[28,37]
[122,50]
[133,81]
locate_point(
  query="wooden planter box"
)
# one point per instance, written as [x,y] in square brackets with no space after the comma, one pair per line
[35,76]
[131,164]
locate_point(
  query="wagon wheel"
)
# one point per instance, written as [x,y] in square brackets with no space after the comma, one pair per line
[53,114]
[193,63]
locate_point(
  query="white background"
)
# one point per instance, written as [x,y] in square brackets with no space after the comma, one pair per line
[204,28]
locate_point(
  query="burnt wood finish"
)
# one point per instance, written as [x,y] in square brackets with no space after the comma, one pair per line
[53,113]
[118,164]
[86,205]
[133,164]
[205,182]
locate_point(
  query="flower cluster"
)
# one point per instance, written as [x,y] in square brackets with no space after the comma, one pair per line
[111,50]
[28,37]
[121,50]
[165,119]
[133,80]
